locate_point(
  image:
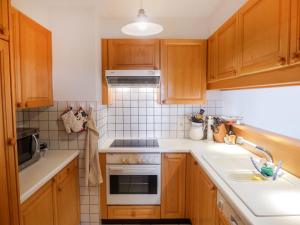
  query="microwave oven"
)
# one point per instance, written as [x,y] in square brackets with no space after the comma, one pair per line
[28,144]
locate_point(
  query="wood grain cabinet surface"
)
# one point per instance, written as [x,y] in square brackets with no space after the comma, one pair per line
[263,35]
[173,186]
[57,202]
[295,32]
[67,189]
[211,58]
[32,48]
[133,54]
[134,212]
[201,195]
[9,189]
[40,208]
[4,19]
[183,71]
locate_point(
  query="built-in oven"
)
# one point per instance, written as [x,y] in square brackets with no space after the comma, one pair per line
[28,145]
[133,179]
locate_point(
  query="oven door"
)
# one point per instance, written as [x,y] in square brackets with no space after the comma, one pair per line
[133,184]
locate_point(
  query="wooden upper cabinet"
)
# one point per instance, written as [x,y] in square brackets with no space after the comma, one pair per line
[40,208]
[183,71]
[9,189]
[212,58]
[33,62]
[67,189]
[133,54]
[4,19]
[295,32]
[263,35]
[173,186]
[226,45]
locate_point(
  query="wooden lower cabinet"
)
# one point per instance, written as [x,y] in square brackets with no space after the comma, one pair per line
[57,202]
[68,202]
[201,195]
[134,212]
[173,186]
[40,208]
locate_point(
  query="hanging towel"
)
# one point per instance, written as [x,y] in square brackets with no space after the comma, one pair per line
[93,174]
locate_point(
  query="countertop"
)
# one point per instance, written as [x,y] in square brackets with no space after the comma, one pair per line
[36,175]
[230,156]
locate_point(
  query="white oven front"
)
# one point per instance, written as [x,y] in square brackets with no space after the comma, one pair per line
[133,184]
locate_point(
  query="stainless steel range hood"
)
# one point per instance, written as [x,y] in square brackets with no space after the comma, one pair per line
[133,78]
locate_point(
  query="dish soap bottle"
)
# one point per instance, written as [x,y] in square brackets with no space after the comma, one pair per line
[231,136]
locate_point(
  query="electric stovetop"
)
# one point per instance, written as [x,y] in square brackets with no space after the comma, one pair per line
[134,143]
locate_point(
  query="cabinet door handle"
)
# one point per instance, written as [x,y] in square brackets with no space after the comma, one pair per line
[163,101]
[59,189]
[19,104]
[281,61]
[12,141]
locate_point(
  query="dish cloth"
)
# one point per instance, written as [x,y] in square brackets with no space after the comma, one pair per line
[93,174]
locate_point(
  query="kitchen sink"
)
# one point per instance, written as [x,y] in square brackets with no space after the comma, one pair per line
[262,196]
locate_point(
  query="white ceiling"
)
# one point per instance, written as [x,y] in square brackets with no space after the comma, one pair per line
[116,9]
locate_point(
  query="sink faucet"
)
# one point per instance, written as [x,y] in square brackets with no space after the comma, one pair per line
[267,154]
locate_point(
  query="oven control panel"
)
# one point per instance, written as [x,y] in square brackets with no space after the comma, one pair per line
[134,158]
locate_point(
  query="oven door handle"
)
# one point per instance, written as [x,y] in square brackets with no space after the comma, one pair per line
[119,169]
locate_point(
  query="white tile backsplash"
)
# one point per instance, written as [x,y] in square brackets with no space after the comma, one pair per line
[139,115]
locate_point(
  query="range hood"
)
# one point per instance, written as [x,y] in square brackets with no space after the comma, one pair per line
[133,78]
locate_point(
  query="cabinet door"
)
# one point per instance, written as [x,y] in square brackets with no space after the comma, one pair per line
[40,208]
[9,189]
[33,62]
[226,54]
[173,186]
[207,199]
[103,200]
[183,78]
[212,58]
[295,33]
[133,54]
[68,203]
[263,35]
[4,15]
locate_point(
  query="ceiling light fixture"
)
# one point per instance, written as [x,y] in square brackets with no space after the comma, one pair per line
[142,27]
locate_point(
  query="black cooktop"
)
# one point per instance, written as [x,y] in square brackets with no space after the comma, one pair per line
[134,143]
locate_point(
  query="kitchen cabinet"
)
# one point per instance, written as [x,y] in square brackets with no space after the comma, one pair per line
[103,200]
[56,202]
[32,50]
[201,195]
[40,208]
[295,32]
[4,19]
[134,212]
[133,54]
[173,186]
[226,54]
[183,71]
[212,58]
[263,35]
[67,191]
[9,189]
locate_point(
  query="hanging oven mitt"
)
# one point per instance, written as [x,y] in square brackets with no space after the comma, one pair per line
[82,117]
[70,122]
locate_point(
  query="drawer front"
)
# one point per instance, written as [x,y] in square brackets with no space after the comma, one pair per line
[133,212]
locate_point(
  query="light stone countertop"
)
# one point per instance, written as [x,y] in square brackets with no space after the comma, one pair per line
[205,153]
[36,175]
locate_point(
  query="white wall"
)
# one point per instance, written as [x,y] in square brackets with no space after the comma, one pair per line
[34,9]
[223,12]
[75,53]
[273,109]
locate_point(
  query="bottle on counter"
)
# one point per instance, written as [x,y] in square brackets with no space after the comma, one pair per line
[231,136]
[210,133]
